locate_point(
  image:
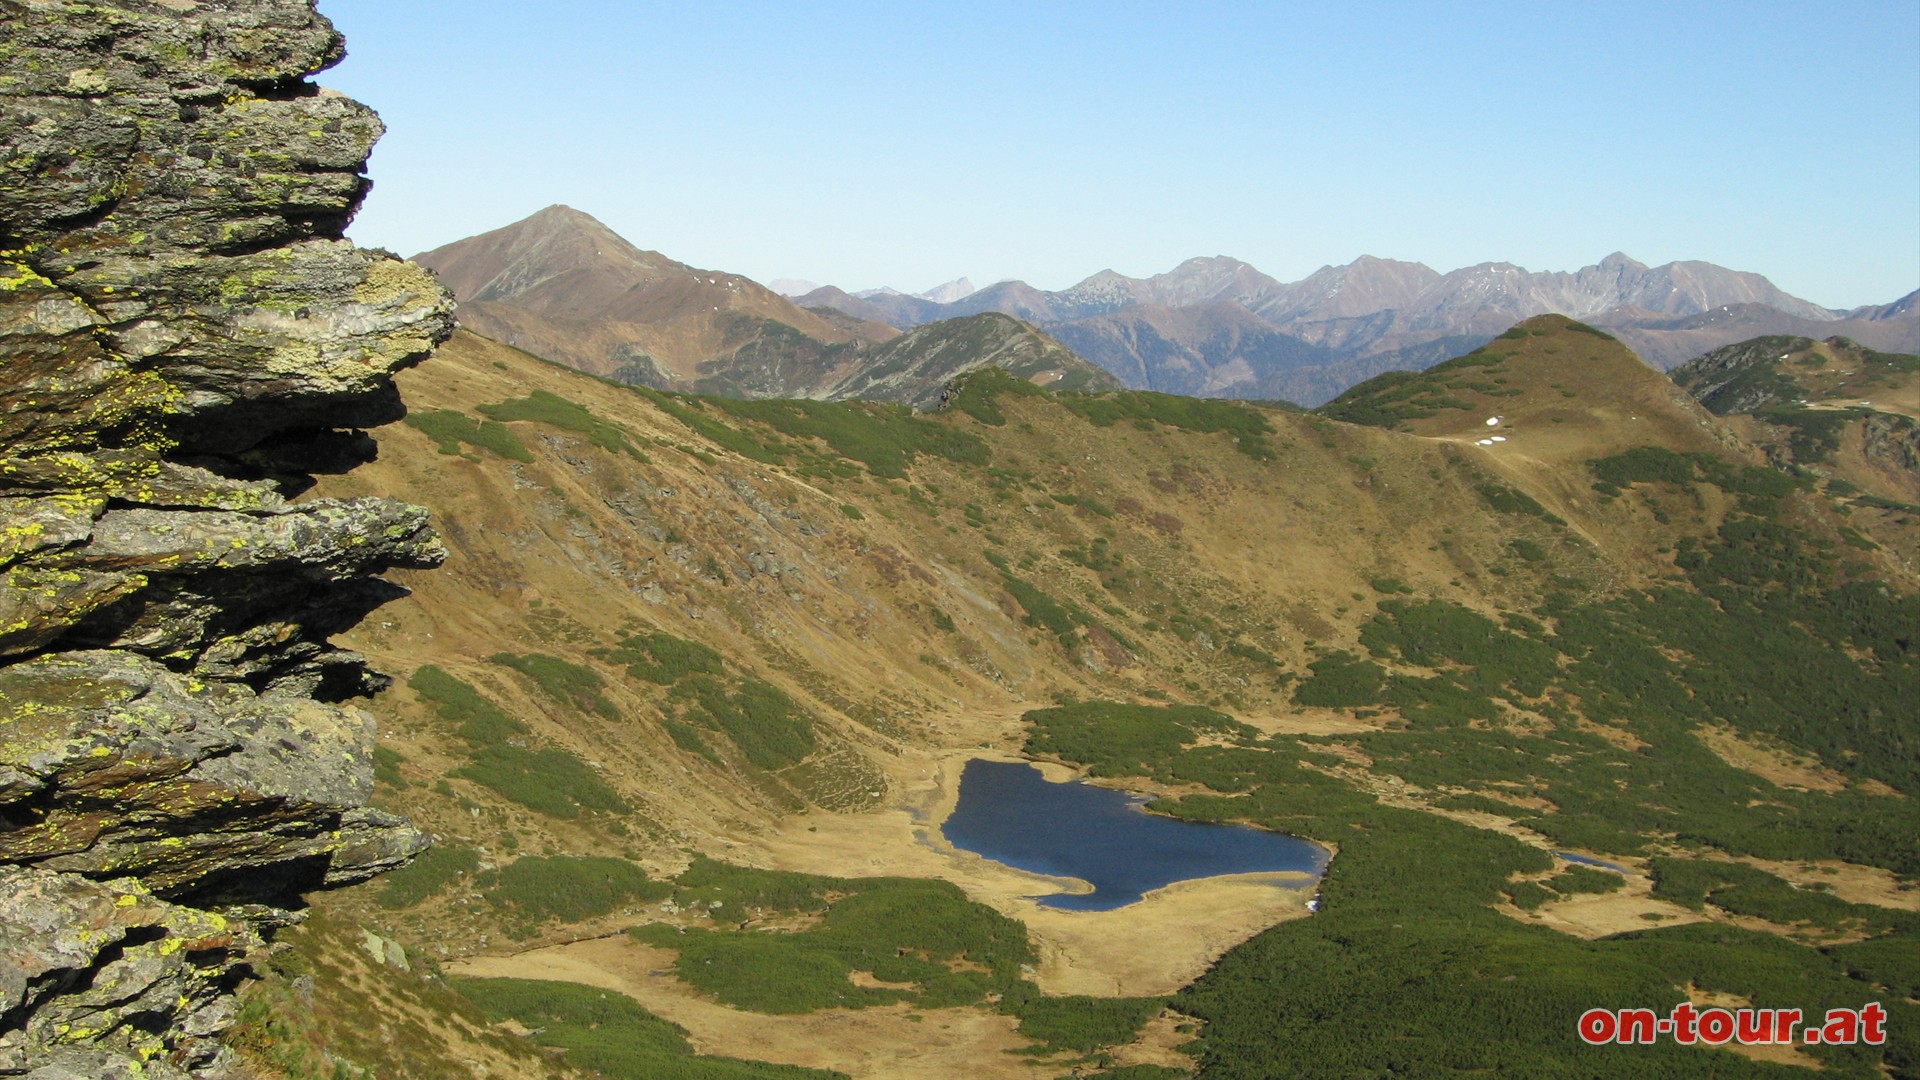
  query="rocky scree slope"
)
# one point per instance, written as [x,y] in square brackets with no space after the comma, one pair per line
[185,339]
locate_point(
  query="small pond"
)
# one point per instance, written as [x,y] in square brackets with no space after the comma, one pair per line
[1010,813]
[1588,860]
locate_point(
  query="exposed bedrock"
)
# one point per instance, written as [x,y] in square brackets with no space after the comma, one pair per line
[185,339]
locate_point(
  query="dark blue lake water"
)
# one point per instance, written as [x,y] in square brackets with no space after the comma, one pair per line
[1009,813]
[1588,860]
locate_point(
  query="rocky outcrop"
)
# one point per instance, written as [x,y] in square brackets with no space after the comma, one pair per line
[1743,377]
[185,340]
[1891,442]
[915,369]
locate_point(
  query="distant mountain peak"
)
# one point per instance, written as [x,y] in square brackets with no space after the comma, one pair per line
[560,219]
[560,211]
[946,293]
[561,284]
[957,289]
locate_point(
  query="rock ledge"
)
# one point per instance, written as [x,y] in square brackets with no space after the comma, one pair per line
[185,340]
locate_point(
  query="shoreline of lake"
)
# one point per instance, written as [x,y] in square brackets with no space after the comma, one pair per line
[1102,839]
[1153,946]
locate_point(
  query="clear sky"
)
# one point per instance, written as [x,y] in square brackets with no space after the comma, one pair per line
[904,144]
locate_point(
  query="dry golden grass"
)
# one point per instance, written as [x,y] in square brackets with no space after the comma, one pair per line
[1774,763]
[892,1042]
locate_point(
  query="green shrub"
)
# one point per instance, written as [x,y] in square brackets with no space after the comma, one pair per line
[1528,895]
[687,738]
[479,721]
[915,931]
[564,681]
[1392,398]
[1585,879]
[691,412]
[884,438]
[545,407]
[1813,435]
[662,658]
[1645,464]
[1747,890]
[572,888]
[450,427]
[975,392]
[1527,549]
[1247,425]
[769,727]
[1341,680]
[1440,634]
[551,781]
[611,1034]
[1044,612]
[386,766]
[1118,739]
[1891,962]
[1253,653]
[1084,1024]
[1508,500]
[431,871]
[744,893]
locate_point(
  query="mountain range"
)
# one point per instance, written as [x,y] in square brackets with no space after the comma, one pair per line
[1245,334]
[566,287]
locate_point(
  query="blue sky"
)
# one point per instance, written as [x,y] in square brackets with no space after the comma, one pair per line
[906,144]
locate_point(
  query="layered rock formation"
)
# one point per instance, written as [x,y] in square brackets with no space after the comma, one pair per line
[185,339]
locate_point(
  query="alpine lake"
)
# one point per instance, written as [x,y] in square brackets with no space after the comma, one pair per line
[1009,812]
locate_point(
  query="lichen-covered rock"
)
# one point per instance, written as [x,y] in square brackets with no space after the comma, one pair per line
[184,340]
[200,789]
[86,965]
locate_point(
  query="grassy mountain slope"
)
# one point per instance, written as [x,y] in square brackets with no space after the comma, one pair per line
[564,286]
[670,626]
[1835,411]
[916,367]
[1574,390]
[1770,371]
